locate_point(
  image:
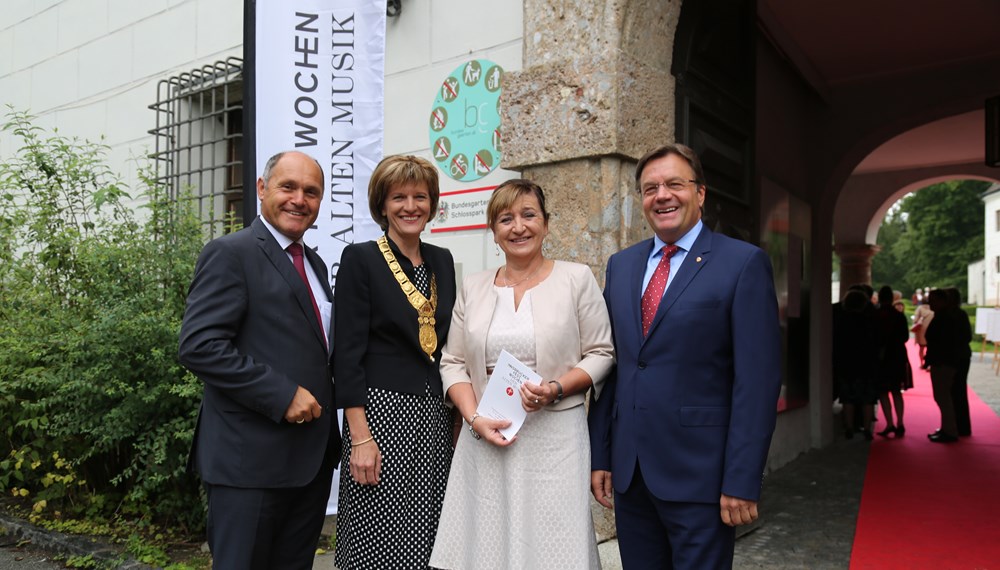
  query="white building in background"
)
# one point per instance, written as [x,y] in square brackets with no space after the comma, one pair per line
[114,70]
[985,274]
[976,280]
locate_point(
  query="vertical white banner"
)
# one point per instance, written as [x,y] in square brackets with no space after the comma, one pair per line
[320,89]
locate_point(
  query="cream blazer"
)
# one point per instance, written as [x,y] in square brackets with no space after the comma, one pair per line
[572,330]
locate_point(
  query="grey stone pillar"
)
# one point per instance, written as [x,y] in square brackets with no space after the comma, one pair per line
[855,264]
[594,95]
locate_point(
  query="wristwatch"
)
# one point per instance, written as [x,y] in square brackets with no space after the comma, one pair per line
[472,420]
[559,396]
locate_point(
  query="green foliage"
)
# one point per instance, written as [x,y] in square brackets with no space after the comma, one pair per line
[145,552]
[932,237]
[96,411]
[87,562]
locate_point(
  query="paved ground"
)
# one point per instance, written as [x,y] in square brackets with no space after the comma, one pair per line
[810,506]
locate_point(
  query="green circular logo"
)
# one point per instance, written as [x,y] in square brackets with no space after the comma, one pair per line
[465,121]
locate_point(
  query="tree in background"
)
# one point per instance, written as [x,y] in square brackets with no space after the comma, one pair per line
[889,266]
[932,237]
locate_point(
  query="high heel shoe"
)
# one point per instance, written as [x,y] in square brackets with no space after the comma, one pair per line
[900,430]
[887,431]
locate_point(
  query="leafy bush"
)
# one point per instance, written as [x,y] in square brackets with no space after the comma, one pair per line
[96,410]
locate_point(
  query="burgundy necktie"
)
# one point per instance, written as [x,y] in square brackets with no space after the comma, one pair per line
[297,258]
[654,290]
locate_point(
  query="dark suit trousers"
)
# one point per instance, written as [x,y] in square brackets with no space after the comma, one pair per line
[658,534]
[960,399]
[943,382]
[251,529]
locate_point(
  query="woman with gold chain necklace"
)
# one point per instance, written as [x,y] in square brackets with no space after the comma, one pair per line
[392,310]
[523,502]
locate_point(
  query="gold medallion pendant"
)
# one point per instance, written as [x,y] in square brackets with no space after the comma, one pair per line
[425,307]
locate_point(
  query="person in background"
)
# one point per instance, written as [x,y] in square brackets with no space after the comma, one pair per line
[855,359]
[960,390]
[681,432]
[393,311]
[891,332]
[255,331]
[948,351]
[922,317]
[523,502]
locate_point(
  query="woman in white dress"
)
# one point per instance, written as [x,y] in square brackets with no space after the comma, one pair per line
[523,502]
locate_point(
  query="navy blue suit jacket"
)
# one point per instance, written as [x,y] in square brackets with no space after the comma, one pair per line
[250,334]
[694,402]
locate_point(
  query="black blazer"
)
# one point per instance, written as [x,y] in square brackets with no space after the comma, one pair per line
[376,327]
[250,334]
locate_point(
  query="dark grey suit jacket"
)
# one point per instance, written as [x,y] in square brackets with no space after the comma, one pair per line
[251,335]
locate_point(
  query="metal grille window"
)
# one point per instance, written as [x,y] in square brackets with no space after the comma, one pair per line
[199,133]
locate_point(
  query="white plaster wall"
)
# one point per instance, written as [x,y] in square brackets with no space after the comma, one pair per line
[423,45]
[90,67]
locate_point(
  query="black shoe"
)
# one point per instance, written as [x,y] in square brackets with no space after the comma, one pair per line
[900,431]
[868,434]
[942,438]
[887,431]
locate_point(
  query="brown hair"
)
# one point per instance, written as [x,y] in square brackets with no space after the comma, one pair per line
[685,152]
[507,193]
[399,170]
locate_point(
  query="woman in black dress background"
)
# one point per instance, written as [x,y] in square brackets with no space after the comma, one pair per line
[892,332]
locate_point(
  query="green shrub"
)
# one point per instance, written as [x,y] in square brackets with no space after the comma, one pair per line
[95,408]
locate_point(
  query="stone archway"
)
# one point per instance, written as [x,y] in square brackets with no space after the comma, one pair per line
[862,206]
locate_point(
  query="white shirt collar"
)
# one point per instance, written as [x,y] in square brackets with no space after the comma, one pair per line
[283,240]
[685,243]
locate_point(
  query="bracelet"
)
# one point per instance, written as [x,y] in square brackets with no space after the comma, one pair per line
[472,420]
[559,396]
[363,441]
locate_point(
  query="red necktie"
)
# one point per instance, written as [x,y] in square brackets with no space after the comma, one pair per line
[296,251]
[654,290]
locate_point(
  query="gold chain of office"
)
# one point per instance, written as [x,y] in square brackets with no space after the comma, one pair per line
[425,307]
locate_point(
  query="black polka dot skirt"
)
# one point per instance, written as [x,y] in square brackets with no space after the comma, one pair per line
[392,525]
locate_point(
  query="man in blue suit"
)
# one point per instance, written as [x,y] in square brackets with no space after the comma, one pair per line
[685,421]
[255,332]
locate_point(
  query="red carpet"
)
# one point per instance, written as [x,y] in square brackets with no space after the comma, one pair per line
[931,505]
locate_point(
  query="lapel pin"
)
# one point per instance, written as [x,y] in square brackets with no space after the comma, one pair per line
[697,259]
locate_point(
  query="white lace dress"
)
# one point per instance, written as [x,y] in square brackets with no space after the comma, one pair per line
[527,505]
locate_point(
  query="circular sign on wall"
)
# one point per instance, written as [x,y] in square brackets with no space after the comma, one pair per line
[465,121]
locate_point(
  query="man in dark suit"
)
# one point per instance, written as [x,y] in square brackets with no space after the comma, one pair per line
[685,421]
[255,332]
